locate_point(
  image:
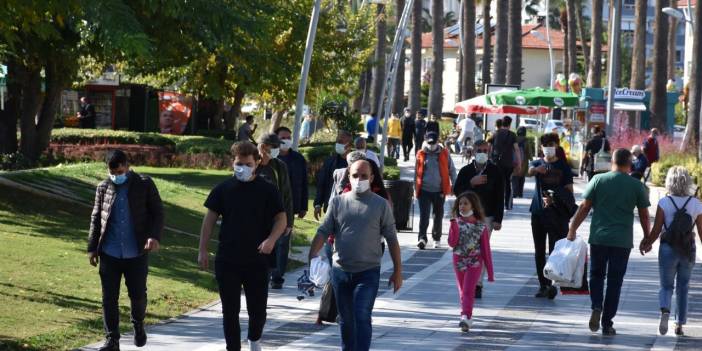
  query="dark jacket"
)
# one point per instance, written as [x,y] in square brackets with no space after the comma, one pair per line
[145,207]
[433,126]
[491,194]
[282,183]
[297,169]
[325,179]
[408,130]
[420,128]
[86,117]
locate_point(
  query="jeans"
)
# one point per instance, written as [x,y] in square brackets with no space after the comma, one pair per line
[507,173]
[355,295]
[540,231]
[670,265]
[230,279]
[610,262]
[135,271]
[430,202]
[282,248]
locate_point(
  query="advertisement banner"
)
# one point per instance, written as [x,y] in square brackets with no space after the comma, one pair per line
[174,110]
[597,112]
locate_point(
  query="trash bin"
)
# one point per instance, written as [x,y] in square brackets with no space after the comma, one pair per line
[401,193]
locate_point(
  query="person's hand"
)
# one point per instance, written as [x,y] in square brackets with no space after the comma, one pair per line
[548,201]
[266,246]
[497,226]
[302,214]
[93,258]
[395,280]
[645,246]
[571,235]
[203,260]
[317,212]
[541,169]
[478,180]
[152,245]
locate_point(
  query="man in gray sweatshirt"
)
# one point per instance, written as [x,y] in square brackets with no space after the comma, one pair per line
[359,220]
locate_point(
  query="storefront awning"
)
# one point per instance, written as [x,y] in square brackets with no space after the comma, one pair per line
[629,106]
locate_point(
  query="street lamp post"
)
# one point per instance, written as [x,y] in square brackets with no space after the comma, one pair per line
[616,23]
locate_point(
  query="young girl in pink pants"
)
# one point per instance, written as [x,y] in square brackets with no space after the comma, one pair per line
[468,236]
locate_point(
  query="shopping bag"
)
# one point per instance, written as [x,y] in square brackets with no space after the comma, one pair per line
[327,304]
[584,286]
[304,286]
[563,261]
[320,271]
[577,280]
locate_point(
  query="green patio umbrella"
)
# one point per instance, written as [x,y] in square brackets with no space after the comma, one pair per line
[534,97]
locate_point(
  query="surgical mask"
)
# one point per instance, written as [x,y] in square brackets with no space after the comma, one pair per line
[360,186]
[118,179]
[286,144]
[275,152]
[481,158]
[340,148]
[549,151]
[243,173]
[467,214]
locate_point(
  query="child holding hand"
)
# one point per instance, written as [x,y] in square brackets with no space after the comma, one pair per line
[468,236]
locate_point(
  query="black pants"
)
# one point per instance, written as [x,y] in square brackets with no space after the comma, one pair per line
[254,279]
[418,141]
[507,173]
[282,249]
[541,229]
[430,202]
[406,148]
[518,186]
[135,271]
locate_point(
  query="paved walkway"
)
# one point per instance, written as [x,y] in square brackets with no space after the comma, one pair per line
[423,314]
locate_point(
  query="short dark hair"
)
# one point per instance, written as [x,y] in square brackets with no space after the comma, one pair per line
[597,129]
[498,123]
[506,121]
[283,129]
[245,148]
[116,158]
[549,138]
[249,118]
[622,157]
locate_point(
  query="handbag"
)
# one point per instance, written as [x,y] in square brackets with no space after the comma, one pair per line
[602,161]
[327,304]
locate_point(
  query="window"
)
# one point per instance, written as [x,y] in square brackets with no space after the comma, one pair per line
[678,56]
[629,3]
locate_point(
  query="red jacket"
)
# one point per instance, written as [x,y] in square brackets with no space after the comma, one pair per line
[443,171]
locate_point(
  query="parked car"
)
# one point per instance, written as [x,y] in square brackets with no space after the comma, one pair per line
[529,123]
[678,131]
[554,124]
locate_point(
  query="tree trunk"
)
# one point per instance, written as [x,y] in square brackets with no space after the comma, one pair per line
[31,102]
[563,19]
[501,38]
[514,38]
[235,113]
[56,80]
[276,119]
[638,56]
[218,117]
[379,61]
[398,100]
[581,30]
[660,62]
[594,75]
[367,90]
[437,66]
[695,84]
[672,41]
[415,88]
[468,59]
[487,44]
[8,123]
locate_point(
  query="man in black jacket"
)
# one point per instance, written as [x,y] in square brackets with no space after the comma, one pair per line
[485,179]
[408,130]
[420,129]
[86,115]
[325,175]
[126,224]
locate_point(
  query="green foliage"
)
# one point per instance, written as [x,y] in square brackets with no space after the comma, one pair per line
[389,161]
[317,153]
[335,108]
[424,91]
[660,169]
[391,173]
[201,145]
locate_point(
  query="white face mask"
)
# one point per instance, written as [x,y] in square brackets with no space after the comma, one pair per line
[467,214]
[275,152]
[340,148]
[286,144]
[549,151]
[360,186]
[243,173]
[481,158]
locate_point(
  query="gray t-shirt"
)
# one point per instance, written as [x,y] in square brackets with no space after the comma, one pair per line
[359,222]
[245,132]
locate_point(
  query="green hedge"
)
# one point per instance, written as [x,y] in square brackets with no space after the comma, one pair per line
[660,169]
[391,173]
[201,145]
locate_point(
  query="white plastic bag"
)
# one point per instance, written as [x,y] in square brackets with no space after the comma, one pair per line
[564,261]
[579,272]
[320,271]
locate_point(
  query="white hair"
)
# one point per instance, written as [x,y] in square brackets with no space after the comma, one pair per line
[678,181]
[636,149]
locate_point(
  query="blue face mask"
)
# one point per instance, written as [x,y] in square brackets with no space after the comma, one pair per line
[118,179]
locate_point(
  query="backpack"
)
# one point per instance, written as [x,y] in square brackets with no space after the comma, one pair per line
[503,149]
[679,234]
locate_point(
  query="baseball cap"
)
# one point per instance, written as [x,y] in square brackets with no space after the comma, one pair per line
[431,137]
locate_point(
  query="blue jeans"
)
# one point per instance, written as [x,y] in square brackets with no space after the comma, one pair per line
[282,248]
[355,295]
[670,265]
[609,262]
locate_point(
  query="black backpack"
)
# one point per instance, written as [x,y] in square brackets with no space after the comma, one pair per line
[679,234]
[503,148]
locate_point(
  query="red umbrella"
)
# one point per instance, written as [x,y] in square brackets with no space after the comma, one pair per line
[479,104]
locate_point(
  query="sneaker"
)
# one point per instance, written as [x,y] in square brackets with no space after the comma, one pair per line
[609,331]
[679,330]
[543,292]
[437,244]
[110,345]
[663,325]
[595,320]
[552,292]
[139,334]
[465,323]
[422,244]
[276,286]
[478,291]
[255,345]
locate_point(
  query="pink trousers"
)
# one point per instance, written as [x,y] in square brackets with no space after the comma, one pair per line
[466,281]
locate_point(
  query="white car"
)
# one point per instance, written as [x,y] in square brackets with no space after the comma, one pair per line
[529,123]
[678,131]
[554,124]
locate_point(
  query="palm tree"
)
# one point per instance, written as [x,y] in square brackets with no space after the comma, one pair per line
[501,36]
[398,102]
[379,60]
[594,74]
[638,62]
[581,30]
[467,90]
[672,41]
[660,63]
[695,85]
[487,44]
[415,91]
[572,37]
[514,38]
[437,66]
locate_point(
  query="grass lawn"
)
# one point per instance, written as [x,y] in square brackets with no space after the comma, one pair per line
[50,295]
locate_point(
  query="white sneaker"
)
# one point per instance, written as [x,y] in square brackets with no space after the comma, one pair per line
[465,323]
[663,326]
[437,244]
[255,345]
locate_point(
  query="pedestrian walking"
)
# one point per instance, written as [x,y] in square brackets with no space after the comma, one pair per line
[639,163]
[408,134]
[485,179]
[467,130]
[433,125]
[371,125]
[420,129]
[469,238]
[394,136]
[86,115]
[676,216]
[247,130]
[297,169]
[597,144]
[506,155]
[325,174]
[253,218]
[613,197]
[551,207]
[435,174]
[306,129]
[651,148]
[359,220]
[361,145]
[126,224]
[526,153]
